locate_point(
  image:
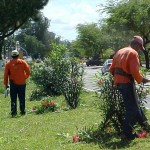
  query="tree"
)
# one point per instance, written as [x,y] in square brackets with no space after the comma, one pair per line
[90,39]
[77,49]
[34,46]
[14,13]
[95,39]
[37,30]
[132,15]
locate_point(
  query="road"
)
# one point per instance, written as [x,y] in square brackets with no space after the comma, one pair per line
[90,81]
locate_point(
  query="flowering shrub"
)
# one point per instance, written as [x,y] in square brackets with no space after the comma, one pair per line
[48,106]
[45,106]
[112,110]
[111,103]
[51,106]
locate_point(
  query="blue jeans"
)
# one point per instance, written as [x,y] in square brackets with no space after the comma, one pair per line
[17,90]
[133,112]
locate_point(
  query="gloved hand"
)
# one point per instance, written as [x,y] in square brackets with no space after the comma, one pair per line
[7,86]
[6,91]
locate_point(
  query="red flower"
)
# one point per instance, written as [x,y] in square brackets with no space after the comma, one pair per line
[100,82]
[33,108]
[143,134]
[44,103]
[51,104]
[48,104]
[109,129]
[75,138]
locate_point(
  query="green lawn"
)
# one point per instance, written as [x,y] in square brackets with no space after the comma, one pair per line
[53,131]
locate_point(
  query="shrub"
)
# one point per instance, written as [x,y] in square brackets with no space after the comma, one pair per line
[59,74]
[111,103]
[44,78]
[73,85]
[112,110]
[46,106]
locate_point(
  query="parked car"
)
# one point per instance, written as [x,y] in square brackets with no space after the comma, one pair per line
[93,62]
[28,59]
[106,66]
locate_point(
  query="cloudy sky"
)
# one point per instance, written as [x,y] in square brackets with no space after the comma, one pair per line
[66,14]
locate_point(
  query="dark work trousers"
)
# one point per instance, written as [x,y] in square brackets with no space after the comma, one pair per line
[134,113]
[17,91]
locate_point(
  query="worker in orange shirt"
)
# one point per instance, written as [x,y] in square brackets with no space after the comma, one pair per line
[125,70]
[16,72]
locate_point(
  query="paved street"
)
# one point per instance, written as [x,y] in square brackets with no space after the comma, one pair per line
[90,81]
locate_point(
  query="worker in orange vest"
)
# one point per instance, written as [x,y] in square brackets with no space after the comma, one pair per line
[125,70]
[16,72]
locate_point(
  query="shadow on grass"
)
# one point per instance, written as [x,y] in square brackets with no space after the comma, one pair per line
[107,140]
[113,141]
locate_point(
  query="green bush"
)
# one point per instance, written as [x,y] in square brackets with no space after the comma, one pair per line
[73,85]
[58,74]
[112,111]
[43,76]
[111,103]
[38,94]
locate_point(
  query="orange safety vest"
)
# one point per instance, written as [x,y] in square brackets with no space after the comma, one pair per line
[126,60]
[16,71]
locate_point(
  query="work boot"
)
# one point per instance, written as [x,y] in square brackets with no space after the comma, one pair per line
[22,113]
[129,138]
[13,115]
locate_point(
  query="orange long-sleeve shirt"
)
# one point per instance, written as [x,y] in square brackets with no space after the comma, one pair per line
[17,70]
[128,60]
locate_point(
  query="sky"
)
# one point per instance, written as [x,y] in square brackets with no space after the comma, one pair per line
[65,15]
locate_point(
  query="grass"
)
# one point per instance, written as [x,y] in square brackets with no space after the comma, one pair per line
[53,131]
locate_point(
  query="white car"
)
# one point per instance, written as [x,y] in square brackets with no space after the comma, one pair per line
[28,59]
[106,66]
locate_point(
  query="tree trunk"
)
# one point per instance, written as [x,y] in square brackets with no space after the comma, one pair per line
[146,58]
